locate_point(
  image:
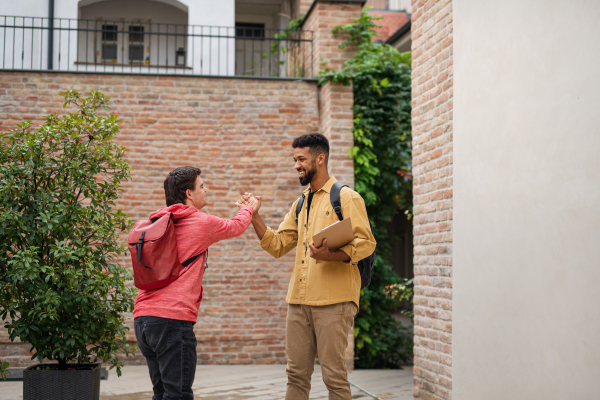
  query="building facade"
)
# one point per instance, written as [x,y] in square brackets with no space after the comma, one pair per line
[432,130]
[506,194]
[227,105]
[193,37]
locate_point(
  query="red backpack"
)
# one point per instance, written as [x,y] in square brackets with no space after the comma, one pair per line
[154,254]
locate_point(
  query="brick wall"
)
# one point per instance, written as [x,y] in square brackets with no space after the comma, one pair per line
[239,131]
[323,17]
[300,7]
[432,170]
[335,100]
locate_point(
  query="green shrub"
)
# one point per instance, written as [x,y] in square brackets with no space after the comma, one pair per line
[61,289]
[381,82]
[4,372]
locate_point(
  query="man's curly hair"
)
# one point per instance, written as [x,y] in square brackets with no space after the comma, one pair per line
[178,182]
[317,143]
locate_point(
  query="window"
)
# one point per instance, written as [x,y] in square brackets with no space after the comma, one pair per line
[109,34]
[136,33]
[249,30]
[136,43]
[109,51]
[136,52]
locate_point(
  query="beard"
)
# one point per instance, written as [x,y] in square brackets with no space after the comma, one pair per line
[309,175]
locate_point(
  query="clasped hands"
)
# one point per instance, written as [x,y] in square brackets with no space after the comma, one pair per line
[248,200]
[318,253]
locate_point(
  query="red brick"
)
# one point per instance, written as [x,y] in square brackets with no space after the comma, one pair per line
[432,191]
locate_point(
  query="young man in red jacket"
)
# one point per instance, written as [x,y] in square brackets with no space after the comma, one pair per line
[164,318]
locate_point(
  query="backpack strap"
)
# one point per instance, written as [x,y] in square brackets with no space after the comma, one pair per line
[299,207]
[184,264]
[334,197]
[191,260]
[194,258]
[138,248]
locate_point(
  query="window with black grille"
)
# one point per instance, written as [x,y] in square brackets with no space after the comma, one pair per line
[109,33]
[136,33]
[249,30]
[109,42]
[136,43]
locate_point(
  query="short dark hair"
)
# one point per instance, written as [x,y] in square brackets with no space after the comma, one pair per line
[178,182]
[317,143]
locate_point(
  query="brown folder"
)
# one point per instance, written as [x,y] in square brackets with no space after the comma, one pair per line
[338,235]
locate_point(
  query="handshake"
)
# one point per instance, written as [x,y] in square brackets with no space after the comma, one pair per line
[248,199]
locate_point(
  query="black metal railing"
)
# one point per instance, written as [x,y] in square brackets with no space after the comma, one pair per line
[151,47]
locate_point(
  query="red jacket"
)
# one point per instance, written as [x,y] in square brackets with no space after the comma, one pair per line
[195,232]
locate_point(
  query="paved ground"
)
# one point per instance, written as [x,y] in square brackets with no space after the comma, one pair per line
[233,382]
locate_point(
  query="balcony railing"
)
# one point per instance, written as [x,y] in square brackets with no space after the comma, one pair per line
[152,48]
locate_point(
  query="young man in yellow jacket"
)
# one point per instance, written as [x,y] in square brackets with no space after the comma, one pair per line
[324,290]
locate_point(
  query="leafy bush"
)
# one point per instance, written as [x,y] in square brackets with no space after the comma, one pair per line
[61,289]
[4,372]
[402,290]
[381,81]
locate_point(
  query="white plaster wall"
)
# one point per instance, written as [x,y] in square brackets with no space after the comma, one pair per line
[212,45]
[30,8]
[27,48]
[404,5]
[526,317]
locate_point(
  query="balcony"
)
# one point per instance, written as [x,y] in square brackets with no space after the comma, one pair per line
[146,47]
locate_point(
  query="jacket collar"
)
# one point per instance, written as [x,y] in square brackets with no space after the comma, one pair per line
[326,188]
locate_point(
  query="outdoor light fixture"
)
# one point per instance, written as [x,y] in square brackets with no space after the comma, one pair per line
[180,57]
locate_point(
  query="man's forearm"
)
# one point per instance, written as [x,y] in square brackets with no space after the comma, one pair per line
[323,254]
[337,255]
[259,226]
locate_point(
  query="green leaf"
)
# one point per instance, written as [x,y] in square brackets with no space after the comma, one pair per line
[381,84]
[55,248]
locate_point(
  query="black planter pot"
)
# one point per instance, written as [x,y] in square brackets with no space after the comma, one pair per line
[70,384]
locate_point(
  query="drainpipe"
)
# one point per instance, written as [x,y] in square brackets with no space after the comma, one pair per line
[50,33]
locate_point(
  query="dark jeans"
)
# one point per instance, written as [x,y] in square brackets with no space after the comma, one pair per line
[169,346]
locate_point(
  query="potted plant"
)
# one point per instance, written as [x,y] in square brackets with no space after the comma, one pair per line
[61,288]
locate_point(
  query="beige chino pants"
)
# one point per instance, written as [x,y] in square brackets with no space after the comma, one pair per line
[322,331]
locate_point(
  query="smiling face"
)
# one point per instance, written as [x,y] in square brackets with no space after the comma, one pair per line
[306,165]
[197,197]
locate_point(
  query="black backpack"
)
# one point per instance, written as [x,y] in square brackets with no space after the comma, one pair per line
[366,265]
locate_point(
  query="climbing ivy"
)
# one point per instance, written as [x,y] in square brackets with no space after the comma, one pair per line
[289,49]
[381,80]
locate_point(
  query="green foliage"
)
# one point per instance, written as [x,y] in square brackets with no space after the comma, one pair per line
[381,81]
[61,289]
[292,51]
[4,369]
[402,290]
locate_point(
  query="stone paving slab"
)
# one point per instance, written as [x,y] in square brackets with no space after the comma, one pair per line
[241,382]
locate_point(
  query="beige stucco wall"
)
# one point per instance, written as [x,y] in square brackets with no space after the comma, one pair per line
[527,200]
